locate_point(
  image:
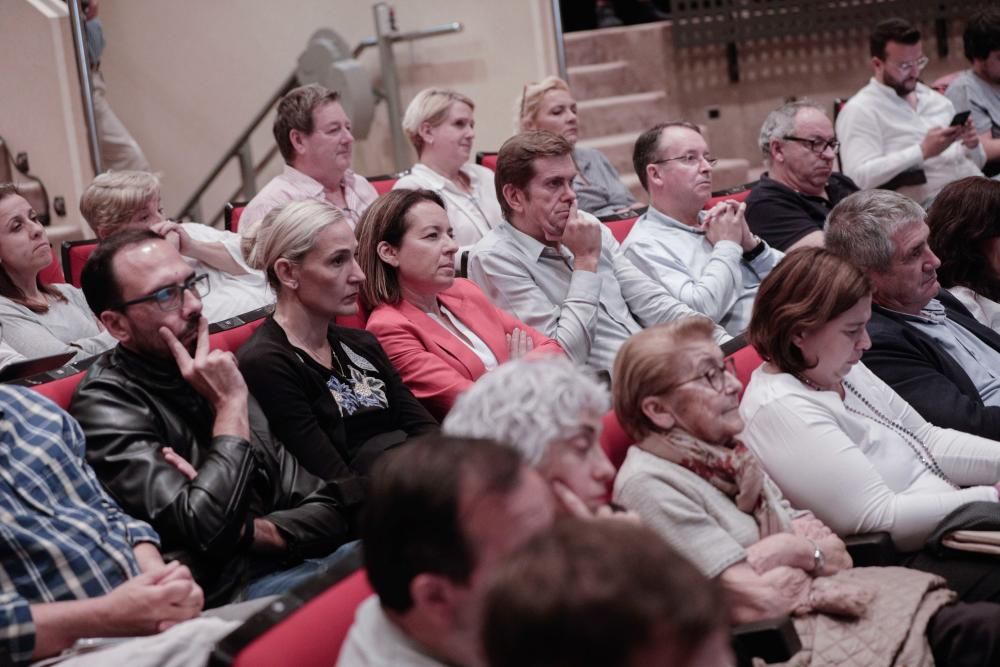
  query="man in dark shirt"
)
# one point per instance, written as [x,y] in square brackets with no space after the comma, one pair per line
[789,205]
[174,435]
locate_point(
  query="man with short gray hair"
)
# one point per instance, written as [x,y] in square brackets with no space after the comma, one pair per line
[924,343]
[789,204]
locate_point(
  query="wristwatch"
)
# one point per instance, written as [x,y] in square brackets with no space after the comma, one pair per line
[819,560]
[755,251]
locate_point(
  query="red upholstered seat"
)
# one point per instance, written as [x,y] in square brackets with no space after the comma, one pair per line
[74,255]
[232,339]
[313,635]
[232,214]
[383,184]
[747,360]
[60,391]
[738,195]
[621,228]
[52,273]
[488,160]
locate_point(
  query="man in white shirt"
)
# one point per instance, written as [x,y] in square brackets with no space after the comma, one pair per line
[559,270]
[977,89]
[709,260]
[442,514]
[314,136]
[897,131]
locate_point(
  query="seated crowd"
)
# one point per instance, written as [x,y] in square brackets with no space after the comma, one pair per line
[551,461]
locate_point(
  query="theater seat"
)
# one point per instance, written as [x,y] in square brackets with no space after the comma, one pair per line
[74,255]
[487,159]
[52,273]
[621,228]
[60,391]
[747,360]
[231,215]
[738,193]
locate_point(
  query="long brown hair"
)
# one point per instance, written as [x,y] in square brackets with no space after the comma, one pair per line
[7,287]
[965,215]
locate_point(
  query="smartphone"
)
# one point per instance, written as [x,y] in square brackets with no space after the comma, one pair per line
[960,118]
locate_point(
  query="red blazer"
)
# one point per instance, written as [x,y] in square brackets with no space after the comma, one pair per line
[432,361]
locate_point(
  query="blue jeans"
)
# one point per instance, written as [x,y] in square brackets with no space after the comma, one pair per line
[264,580]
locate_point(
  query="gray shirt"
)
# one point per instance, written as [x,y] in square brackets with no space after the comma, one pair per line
[589,314]
[67,326]
[970,93]
[599,189]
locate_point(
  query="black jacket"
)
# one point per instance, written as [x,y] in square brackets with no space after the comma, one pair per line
[130,407]
[929,379]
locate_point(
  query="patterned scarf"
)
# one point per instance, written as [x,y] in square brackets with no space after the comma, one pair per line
[732,469]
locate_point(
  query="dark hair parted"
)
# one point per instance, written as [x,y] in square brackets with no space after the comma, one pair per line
[516,160]
[295,112]
[596,593]
[385,220]
[891,30]
[412,523]
[98,280]
[807,289]
[964,215]
[982,34]
[646,148]
[7,287]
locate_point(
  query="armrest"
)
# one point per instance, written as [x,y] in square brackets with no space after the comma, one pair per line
[872,549]
[771,640]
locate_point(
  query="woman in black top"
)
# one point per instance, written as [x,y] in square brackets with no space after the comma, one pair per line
[330,393]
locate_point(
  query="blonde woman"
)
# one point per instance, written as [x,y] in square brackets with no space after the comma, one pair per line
[549,105]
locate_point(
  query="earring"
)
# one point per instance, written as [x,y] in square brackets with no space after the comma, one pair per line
[294,285]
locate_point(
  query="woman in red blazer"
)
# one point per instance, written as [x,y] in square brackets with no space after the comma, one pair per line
[440,332]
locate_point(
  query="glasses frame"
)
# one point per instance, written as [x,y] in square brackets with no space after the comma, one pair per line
[910,65]
[191,285]
[728,366]
[712,161]
[833,144]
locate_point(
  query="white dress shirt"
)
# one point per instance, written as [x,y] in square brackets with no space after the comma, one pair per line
[856,475]
[880,135]
[713,280]
[589,314]
[375,641]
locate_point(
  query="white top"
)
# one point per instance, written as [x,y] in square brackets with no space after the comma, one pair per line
[589,314]
[473,215]
[713,280]
[854,474]
[471,340]
[67,326]
[375,641]
[880,135]
[229,295]
[985,310]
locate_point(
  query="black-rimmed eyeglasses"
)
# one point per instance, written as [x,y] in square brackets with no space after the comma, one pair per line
[817,146]
[172,296]
[715,376]
[689,160]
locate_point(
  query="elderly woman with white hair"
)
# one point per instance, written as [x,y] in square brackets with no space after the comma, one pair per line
[330,393]
[550,411]
[440,126]
[549,105]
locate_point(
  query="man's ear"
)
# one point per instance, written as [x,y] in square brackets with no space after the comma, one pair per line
[435,597]
[117,325]
[297,138]
[515,197]
[777,151]
[388,253]
[658,411]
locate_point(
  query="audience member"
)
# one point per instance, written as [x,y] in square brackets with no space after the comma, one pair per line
[896,132]
[977,89]
[441,333]
[73,564]
[710,260]
[703,491]
[789,204]
[39,319]
[550,411]
[549,105]
[330,394]
[314,136]
[440,126]
[118,200]
[601,593]
[175,437]
[964,224]
[443,514]
[558,270]
[840,442]
[924,343]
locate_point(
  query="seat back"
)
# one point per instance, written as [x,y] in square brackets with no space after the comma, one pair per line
[52,273]
[231,215]
[738,193]
[621,228]
[746,360]
[74,255]
[60,391]
[487,159]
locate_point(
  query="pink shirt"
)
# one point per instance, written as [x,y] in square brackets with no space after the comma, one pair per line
[292,185]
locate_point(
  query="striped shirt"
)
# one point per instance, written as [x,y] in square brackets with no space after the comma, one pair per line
[61,535]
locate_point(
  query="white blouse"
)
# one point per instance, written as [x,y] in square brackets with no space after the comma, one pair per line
[471,340]
[857,475]
[985,310]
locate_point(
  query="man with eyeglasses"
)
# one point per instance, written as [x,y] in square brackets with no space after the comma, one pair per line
[558,269]
[710,260]
[789,204]
[896,133]
[177,440]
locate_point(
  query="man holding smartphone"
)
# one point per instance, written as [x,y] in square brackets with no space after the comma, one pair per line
[896,132]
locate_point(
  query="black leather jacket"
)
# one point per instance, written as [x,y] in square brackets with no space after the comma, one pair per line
[130,407]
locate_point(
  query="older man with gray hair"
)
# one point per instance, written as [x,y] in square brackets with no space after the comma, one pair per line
[789,204]
[924,343]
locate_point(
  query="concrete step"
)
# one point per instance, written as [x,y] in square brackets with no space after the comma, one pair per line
[616,147]
[591,47]
[621,114]
[616,77]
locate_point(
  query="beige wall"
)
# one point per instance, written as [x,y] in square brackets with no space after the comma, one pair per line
[186,76]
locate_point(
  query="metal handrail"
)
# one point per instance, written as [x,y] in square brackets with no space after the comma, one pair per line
[86,91]
[240,149]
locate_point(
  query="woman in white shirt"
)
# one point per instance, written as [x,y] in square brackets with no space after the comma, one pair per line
[440,126]
[839,441]
[39,319]
[965,235]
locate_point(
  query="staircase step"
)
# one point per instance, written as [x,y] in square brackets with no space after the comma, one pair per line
[590,47]
[616,77]
[621,114]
